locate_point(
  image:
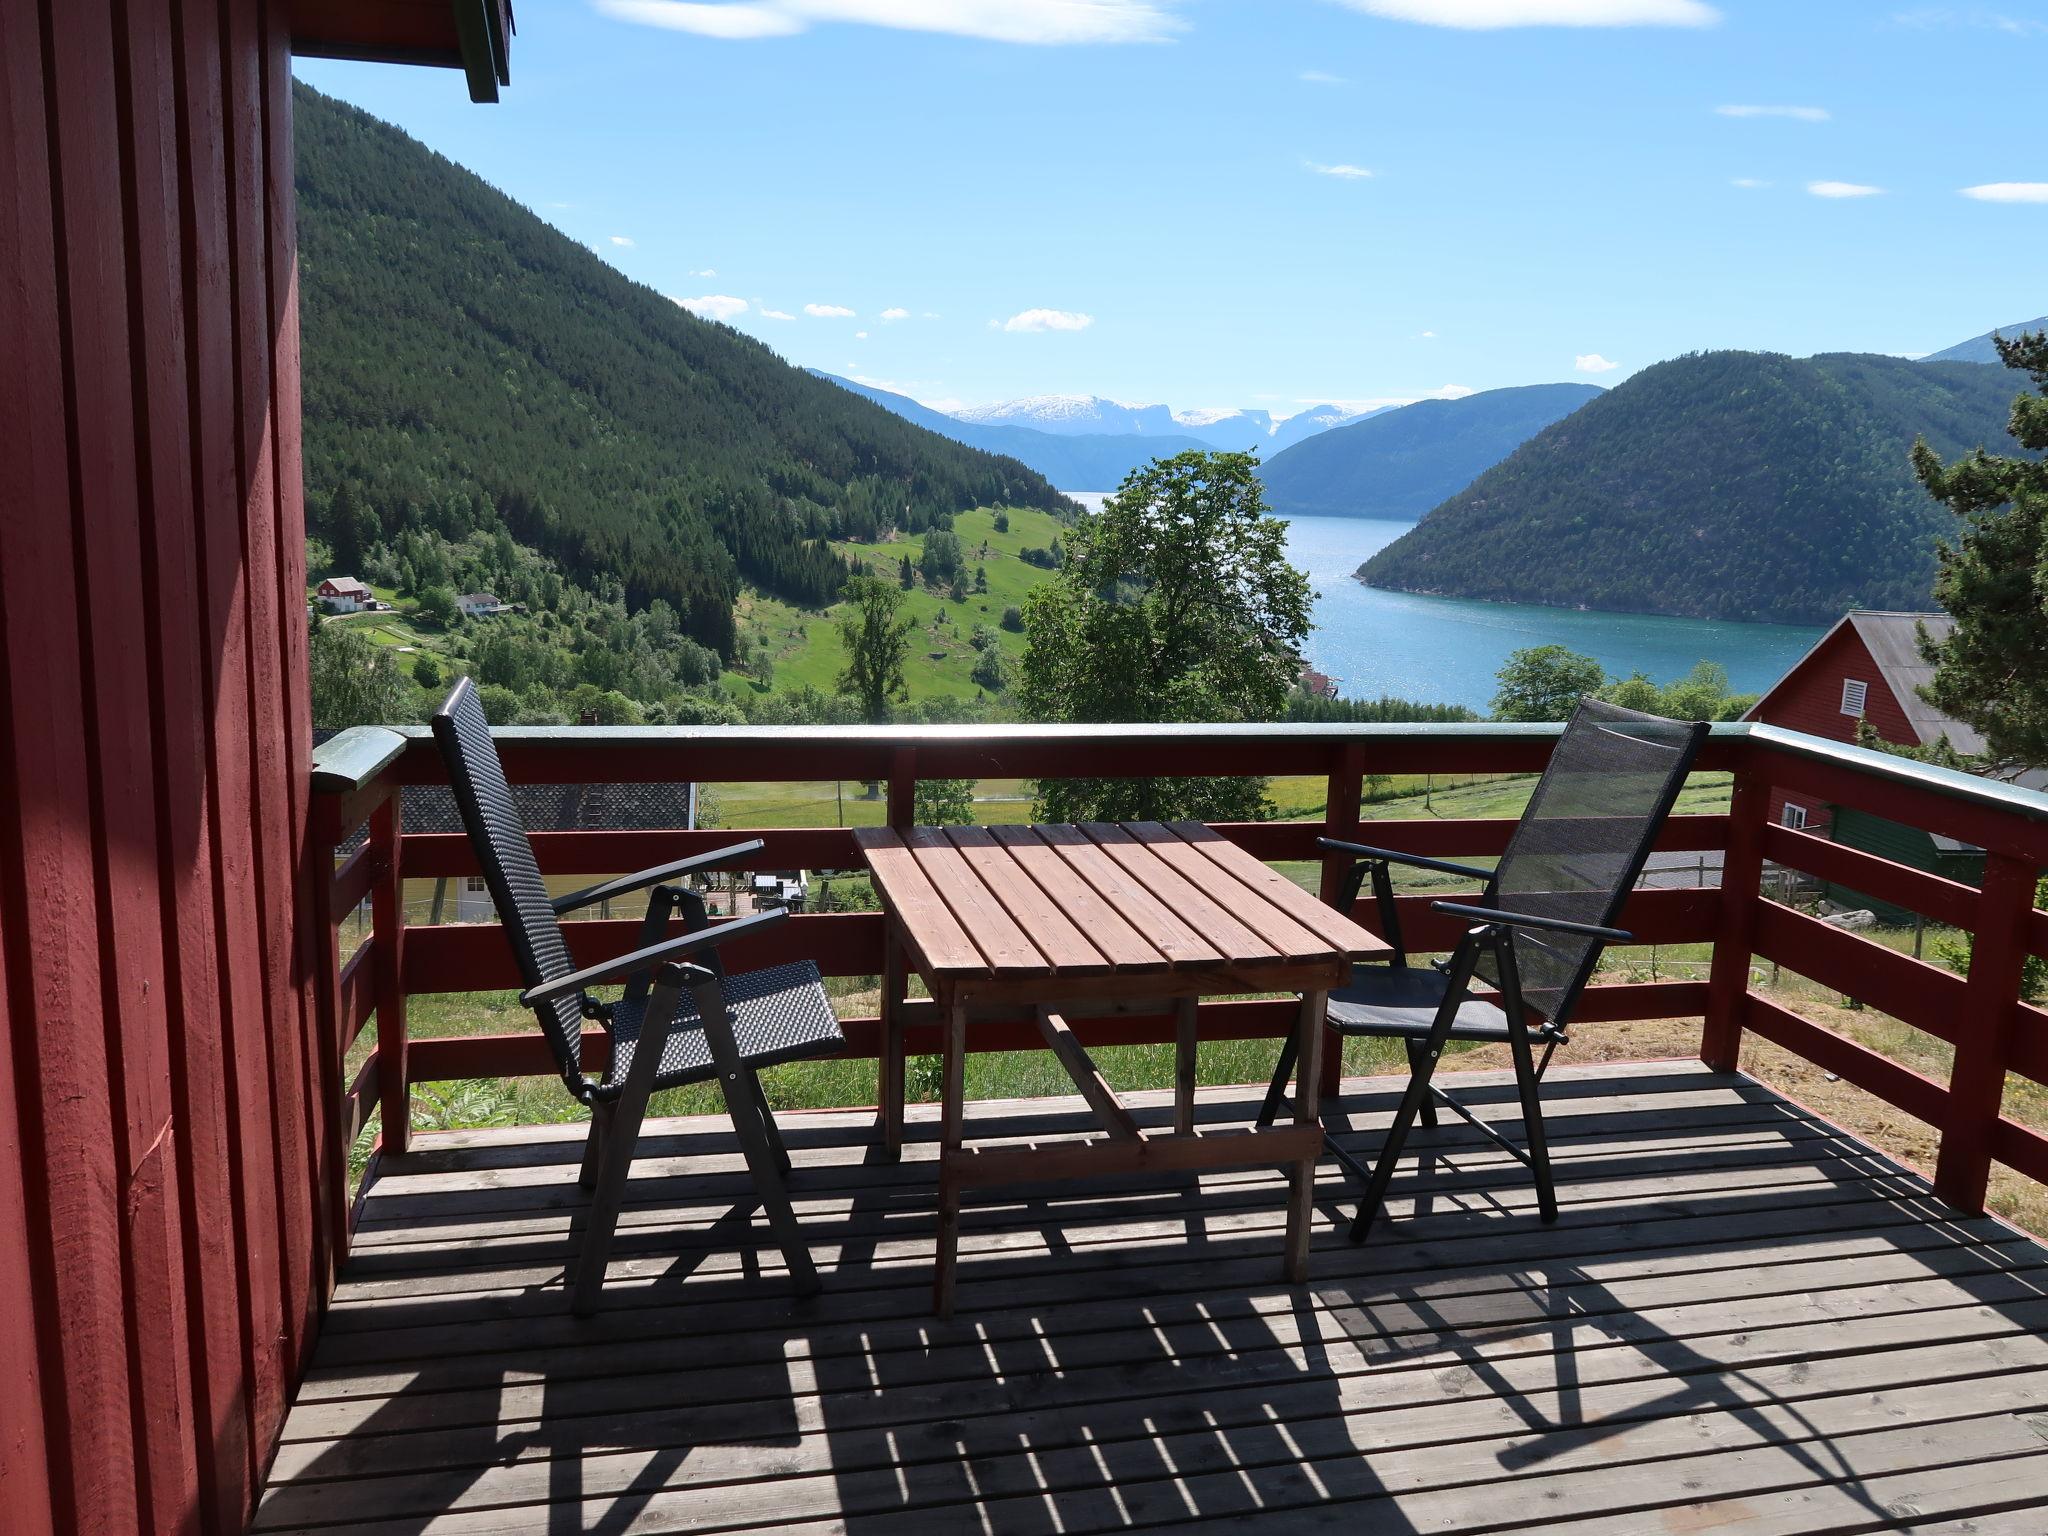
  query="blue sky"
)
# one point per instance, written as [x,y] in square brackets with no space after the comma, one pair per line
[1277,202]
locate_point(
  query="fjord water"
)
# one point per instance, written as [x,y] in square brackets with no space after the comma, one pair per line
[1446,650]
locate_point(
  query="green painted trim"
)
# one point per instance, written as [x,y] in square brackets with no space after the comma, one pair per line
[345,763]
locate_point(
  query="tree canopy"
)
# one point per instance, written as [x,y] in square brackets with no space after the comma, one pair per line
[876,643]
[1174,603]
[1991,671]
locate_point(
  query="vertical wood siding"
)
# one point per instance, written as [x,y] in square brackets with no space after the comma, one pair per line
[168,1226]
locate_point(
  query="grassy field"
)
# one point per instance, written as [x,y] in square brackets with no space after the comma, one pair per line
[805,645]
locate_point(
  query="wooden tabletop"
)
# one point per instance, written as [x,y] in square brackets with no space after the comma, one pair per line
[1099,899]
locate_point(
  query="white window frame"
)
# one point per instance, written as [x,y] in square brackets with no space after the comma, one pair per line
[1793,816]
[1855,697]
[474,885]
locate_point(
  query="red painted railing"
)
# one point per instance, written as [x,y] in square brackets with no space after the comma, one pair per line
[1981,1015]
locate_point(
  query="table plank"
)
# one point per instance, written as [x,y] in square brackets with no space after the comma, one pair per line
[1180,944]
[1349,936]
[1005,946]
[1247,903]
[1063,943]
[1225,934]
[929,928]
[1118,942]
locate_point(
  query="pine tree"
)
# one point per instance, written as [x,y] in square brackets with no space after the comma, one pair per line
[1991,671]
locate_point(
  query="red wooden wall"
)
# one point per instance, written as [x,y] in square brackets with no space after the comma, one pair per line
[1809,699]
[165,1250]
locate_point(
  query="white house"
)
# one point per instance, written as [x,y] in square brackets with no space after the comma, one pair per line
[344,594]
[478,605]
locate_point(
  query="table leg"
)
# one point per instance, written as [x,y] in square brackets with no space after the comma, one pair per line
[952,1123]
[1301,1194]
[1184,1045]
[889,1084]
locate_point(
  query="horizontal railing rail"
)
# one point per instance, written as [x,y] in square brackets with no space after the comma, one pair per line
[360,775]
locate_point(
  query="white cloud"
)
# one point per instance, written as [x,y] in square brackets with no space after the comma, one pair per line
[619,239]
[1342,172]
[828,311]
[1000,21]
[1748,183]
[1485,15]
[1928,17]
[2009,192]
[704,272]
[776,314]
[1796,114]
[1427,336]
[1593,362]
[715,306]
[1321,77]
[931,314]
[895,314]
[860,335]
[1046,320]
[1843,189]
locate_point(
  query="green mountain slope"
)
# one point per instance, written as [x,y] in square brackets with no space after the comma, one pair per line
[1978,349]
[1400,463]
[465,363]
[1733,485]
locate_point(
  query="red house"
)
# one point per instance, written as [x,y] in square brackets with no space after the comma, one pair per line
[1867,667]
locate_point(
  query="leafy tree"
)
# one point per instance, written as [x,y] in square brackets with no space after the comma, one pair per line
[1002,522]
[1013,619]
[991,669]
[943,802]
[1702,694]
[983,637]
[426,671]
[355,681]
[1175,603]
[1991,671]
[981,578]
[437,606]
[958,590]
[1311,708]
[1545,682]
[942,561]
[500,704]
[877,640]
[906,574]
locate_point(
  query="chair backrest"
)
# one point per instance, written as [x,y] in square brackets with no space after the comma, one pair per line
[499,839]
[1582,841]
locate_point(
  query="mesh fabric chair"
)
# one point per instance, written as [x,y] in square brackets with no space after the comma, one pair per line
[680,1020]
[1536,933]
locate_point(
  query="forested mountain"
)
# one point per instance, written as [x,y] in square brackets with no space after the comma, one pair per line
[1091,461]
[1400,463]
[469,368]
[1978,349]
[1731,485]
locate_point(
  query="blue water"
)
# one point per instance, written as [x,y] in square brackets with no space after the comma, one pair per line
[1446,649]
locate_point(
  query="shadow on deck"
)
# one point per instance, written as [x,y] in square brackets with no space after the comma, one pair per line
[1744,1320]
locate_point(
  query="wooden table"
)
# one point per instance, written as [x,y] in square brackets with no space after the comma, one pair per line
[1059,922]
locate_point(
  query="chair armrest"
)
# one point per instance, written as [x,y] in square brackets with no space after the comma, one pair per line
[626,885]
[667,951]
[1391,856]
[1523,920]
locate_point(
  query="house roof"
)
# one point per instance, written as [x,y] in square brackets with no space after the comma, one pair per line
[346,584]
[478,597]
[1893,641]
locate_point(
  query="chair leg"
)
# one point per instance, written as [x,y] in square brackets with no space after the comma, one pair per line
[1276,1091]
[775,1143]
[621,1136]
[1529,1085]
[1429,1099]
[593,1145]
[748,1113]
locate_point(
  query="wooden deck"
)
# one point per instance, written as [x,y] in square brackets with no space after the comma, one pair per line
[1743,1321]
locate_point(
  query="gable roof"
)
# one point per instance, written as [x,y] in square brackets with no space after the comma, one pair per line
[1893,641]
[346,584]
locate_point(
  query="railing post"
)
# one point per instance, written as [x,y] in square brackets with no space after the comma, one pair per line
[903,788]
[1742,873]
[1976,1084]
[387,935]
[1340,819]
[326,948]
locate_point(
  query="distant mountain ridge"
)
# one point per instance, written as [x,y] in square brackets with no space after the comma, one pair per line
[1979,349]
[1725,485]
[1402,462]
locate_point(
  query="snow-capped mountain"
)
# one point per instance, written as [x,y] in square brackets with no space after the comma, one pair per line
[1225,427]
[1074,415]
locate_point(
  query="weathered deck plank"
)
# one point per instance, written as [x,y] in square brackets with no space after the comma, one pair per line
[1743,1320]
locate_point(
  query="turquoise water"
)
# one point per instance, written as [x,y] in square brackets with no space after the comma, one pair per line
[1446,650]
